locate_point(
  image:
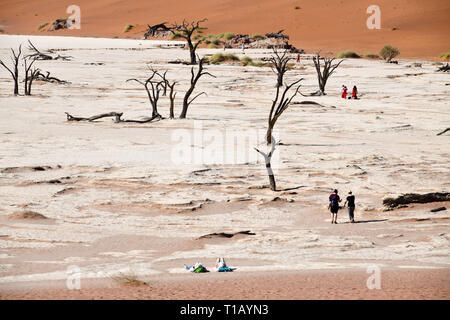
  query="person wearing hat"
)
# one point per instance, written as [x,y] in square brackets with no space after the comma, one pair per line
[351,206]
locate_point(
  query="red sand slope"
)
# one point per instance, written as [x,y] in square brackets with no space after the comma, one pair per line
[325,25]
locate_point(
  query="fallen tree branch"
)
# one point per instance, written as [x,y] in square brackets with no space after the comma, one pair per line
[444,68]
[448,129]
[40,76]
[38,55]
[117,118]
[416,198]
[156,28]
[226,235]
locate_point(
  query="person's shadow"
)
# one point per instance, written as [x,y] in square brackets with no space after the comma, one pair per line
[368,221]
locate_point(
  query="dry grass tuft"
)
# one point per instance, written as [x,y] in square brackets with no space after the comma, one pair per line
[129,279]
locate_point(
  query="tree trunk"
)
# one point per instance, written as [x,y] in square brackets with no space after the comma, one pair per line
[29,84]
[172,103]
[186,102]
[192,52]
[16,78]
[322,88]
[16,87]
[26,85]
[155,113]
[280,80]
[273,185]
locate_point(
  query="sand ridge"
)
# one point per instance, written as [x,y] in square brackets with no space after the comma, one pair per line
[329,26]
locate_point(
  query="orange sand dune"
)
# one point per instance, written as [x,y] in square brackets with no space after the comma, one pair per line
[330,26]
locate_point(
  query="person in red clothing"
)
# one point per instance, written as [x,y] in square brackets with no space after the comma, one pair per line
[298,57]
[344,92]
[354,93]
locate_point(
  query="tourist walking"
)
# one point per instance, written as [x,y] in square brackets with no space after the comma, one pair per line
[351,206]
[334,206]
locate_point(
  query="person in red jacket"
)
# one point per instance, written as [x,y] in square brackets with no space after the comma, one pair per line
[354,93]
[344,92]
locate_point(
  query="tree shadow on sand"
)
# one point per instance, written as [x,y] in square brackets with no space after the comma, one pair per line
[292,188]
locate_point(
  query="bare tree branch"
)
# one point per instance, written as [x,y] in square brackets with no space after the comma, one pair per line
[185,30]
[323,75]
[194,79]
[15,70]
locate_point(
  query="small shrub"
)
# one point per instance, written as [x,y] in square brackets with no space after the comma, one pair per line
[394,28]
[232,57]
[258,36]
[388,53]
[175,35]
[43,25]
[228,35]
[256,64]
[372,56]
[297,7]
[445,55]
[212,46]
[200,29]
[348,54]
[128,27]
[216,58]
[220,57]
[128,279]
[246,60]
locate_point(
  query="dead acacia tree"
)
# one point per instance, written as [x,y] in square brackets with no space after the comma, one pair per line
[153,88]
[155,84]
[30,75]
[279,64]
[444,68]
[47,78]
[194,79]
[38,55]
[185,31]
[323,75]
[14,71]
[172,96]
[152,30]
[279,105]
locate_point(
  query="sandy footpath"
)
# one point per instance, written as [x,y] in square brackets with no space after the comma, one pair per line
[335,285]
[109,199]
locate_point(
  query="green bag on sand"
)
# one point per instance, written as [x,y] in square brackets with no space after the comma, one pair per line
[200,270]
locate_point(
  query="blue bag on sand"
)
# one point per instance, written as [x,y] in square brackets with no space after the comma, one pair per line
[224,269]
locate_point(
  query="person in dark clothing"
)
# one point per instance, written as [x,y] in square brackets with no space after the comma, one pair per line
[334,206]
[351,206]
